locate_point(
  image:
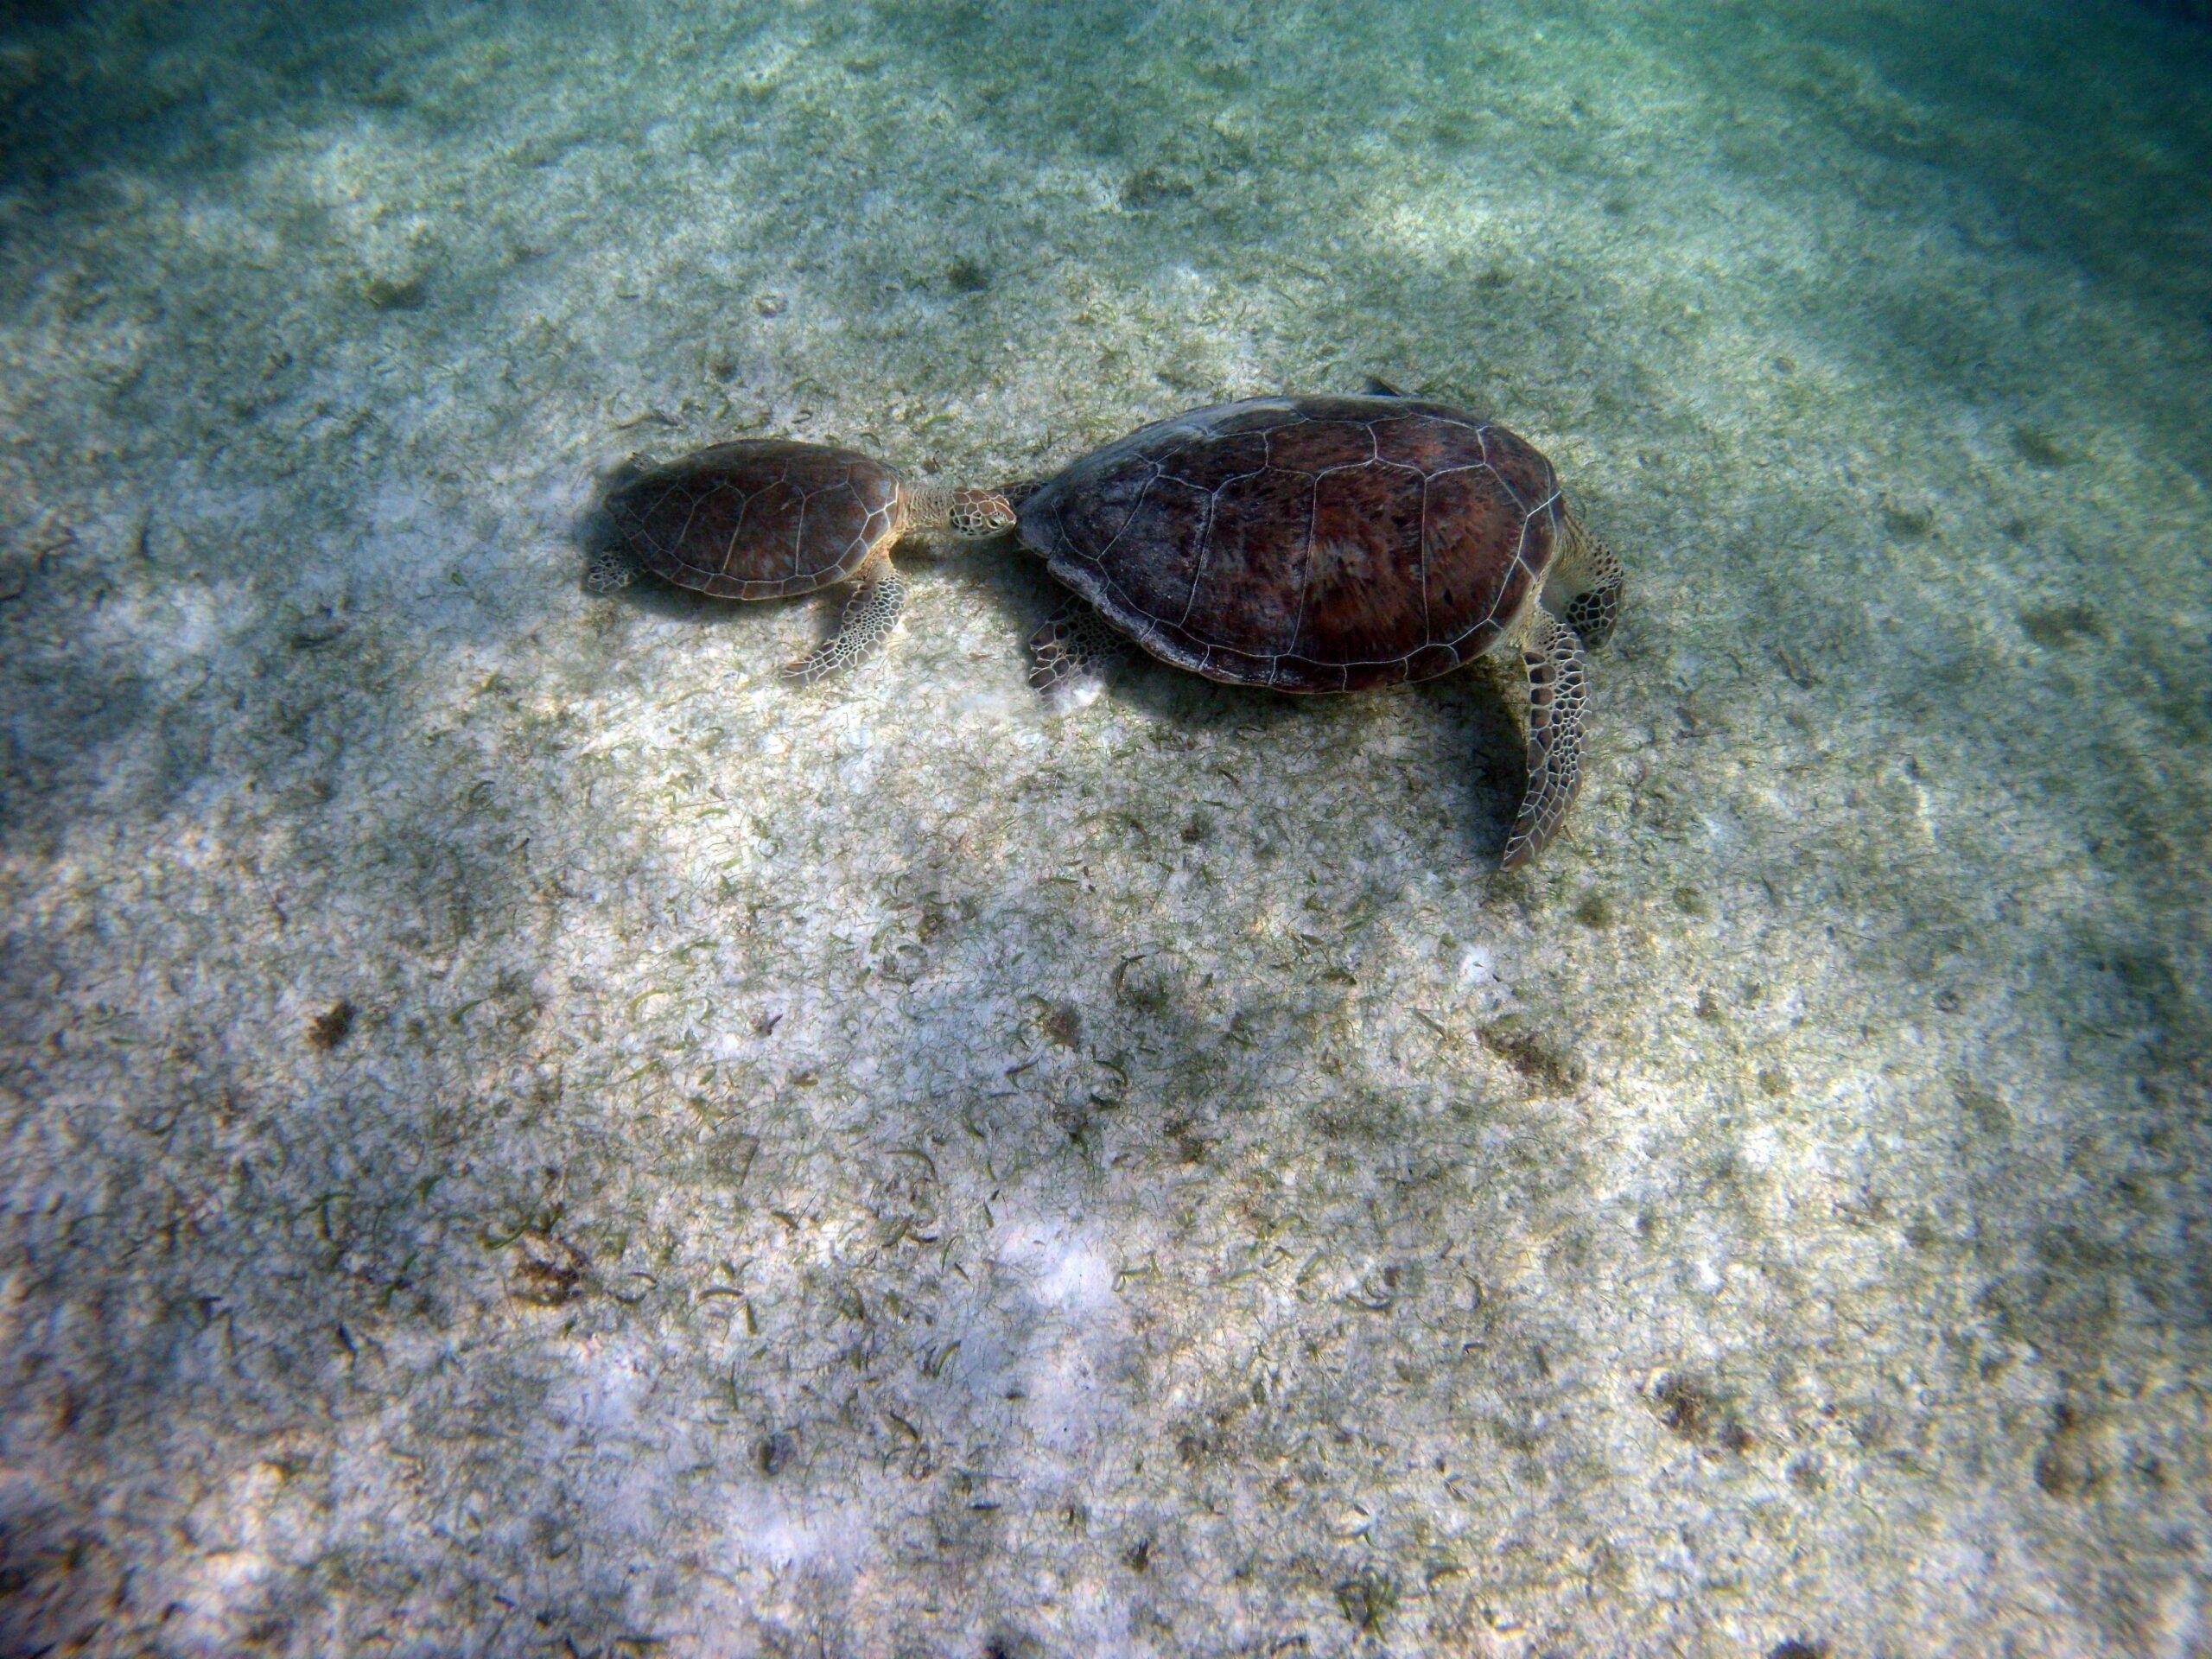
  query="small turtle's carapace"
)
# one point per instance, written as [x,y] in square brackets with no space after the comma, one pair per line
[770,518]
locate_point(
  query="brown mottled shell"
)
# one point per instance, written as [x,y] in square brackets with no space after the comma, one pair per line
[762,518]
[1306,543]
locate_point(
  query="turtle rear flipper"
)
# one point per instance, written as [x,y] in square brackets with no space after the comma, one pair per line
[1554,657]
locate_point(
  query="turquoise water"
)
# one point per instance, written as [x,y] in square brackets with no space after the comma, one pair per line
[524,1134]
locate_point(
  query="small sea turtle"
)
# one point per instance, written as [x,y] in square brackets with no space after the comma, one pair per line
[1330,544]
[768,519]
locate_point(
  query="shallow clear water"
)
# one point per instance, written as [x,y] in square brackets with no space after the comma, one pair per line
[520,1130]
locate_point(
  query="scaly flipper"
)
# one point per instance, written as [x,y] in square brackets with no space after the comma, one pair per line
[869,616]
[1071,655]
[1554,656]
[610,568]
[1593,577]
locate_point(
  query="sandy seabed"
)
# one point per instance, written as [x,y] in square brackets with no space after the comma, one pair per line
[519,1135]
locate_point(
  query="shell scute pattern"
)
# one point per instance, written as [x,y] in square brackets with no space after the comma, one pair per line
[1320,446]
[1426,446]
[1311,544]
[761,519]
[1244,590]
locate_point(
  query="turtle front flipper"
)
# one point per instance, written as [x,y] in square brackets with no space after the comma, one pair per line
[868,617]
[1592,578]
[1554,656]
[610,568]
[1071,655]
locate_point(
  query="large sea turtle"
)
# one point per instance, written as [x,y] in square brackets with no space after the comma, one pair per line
[769,518]
[1331,544]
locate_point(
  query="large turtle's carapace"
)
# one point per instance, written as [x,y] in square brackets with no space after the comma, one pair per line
[1331,544]
[1307,544]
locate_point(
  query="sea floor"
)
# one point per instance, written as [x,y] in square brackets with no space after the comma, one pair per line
[520,1135]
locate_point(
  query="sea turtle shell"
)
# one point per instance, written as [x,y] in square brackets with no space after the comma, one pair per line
[1306,543]
[760,518]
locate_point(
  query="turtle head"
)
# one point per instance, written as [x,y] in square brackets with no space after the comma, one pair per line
[980,513]
[966,511]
